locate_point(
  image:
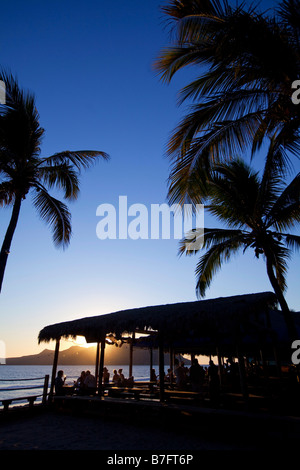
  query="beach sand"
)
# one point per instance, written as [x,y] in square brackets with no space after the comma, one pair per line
[125,428]
[59,431]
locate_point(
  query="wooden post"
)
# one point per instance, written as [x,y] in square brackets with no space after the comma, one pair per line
[161,368]
[278,362]
[131,354]
[100,385]
[151,362]
[172,359]
[243,382]
[264,365]
[219,366]
[54,368]
[97,362]
[45,389]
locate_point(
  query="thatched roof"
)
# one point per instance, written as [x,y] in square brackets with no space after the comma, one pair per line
[262,332]
[216,318]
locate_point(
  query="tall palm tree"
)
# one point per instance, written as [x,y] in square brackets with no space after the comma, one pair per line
[24,171]
[247,62]
[257,212]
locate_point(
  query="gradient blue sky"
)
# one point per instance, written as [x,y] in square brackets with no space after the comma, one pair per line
[90,67]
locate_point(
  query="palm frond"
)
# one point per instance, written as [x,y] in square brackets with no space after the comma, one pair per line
[174,58]
[7,194]
[234,190]
[244,91]
[20,130]
[63,177]
[224,83]
[55,214]
[193,155]
[201,239]
[206,124]
[211,262]
[81,159]
[289,12]
[278,255]
[199,28]
[271,181]
[285,212]
[178,9]
[189,185]
[292,241]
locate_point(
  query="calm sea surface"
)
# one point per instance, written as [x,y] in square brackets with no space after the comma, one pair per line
[12,377]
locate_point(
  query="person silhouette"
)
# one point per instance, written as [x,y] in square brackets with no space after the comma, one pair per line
[59,383]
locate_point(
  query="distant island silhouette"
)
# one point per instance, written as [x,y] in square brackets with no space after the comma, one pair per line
[77,355]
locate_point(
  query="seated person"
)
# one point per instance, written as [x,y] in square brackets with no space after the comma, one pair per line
[121,376]
[170,376]
[59,383]
[153,376]
[129,382]
[196,376]
[105,375]
[79,384]
[116,378]
[89,382]
[181,379]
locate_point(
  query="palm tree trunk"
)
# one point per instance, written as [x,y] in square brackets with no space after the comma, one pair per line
[292,331]
[8,237]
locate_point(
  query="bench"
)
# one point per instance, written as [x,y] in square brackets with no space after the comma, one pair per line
[182,394]
[9,401]
[127,392]
[150,385]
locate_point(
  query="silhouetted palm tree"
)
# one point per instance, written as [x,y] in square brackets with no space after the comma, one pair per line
[23,170]
[256,212]
[246,62]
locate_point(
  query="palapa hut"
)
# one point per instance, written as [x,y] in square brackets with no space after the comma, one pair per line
[232,326]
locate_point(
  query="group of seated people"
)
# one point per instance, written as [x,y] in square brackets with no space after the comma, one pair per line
[182,376]
[120,381]
[85,384]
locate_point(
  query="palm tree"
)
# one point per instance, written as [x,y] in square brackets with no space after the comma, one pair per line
[24,171]
[248,62]
[257,211]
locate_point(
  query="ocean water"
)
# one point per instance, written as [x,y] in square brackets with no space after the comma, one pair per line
[12,378]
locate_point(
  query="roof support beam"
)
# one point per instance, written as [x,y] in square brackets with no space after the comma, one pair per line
[54,368]
[101,365]
[161,367]
[131,354]
[97,361]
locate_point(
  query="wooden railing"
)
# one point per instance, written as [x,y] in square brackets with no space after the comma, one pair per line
[31,398]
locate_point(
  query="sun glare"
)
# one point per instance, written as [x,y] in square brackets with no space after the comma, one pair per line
[81,341]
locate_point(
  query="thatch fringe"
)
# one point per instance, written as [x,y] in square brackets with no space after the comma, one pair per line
[210,317]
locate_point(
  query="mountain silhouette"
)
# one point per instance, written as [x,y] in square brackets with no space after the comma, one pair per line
[77,355]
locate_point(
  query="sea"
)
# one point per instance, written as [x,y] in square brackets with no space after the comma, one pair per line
[14,379]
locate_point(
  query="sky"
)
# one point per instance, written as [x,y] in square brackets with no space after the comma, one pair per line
[90,66]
